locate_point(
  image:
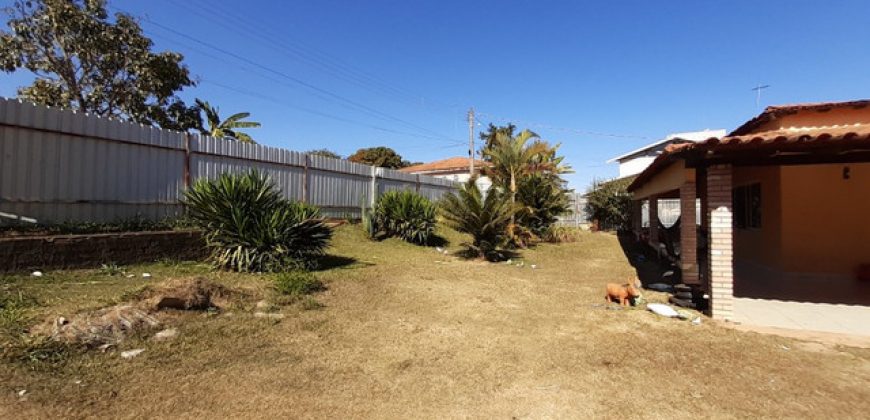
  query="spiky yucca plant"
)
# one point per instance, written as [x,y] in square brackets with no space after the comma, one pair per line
[486,219]
[404,214]
[250,227]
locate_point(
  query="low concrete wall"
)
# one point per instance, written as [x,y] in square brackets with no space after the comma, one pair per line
[89,251]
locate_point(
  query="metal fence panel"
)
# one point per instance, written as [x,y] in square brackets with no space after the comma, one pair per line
[60,165]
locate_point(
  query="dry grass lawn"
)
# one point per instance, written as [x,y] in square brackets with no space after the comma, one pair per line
[406,332]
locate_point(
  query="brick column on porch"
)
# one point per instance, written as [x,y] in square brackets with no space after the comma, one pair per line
[721,244]
[654,222]
[688,234]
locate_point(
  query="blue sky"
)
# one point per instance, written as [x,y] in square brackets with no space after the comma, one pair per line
[600,77]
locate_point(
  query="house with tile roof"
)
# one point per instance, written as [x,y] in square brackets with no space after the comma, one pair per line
[785,208]
[454,168]
[635,161]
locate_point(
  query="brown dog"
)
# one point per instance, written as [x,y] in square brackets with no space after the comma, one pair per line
[622,293]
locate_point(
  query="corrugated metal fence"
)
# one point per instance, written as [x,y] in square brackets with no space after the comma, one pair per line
[59,165]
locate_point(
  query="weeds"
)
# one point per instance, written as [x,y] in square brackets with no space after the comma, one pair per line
[297,283]
[310,304]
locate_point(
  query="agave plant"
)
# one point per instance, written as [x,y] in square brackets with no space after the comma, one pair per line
[250,227]
[486,219]
[404,214]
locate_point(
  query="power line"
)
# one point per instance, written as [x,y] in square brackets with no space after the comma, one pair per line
[295,80]
[563,129]
[324,61]
[320,113]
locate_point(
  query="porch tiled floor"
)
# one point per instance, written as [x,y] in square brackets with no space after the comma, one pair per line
[824,317]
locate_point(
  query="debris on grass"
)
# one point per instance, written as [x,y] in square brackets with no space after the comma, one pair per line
[106,326]
[663,310]
[36,274]
[268,315]
[146,275]
[129,354]
[166,334]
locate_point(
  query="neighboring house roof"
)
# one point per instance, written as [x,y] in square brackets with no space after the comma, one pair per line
[773,112]
[444,165]
[770,143]
[672,139]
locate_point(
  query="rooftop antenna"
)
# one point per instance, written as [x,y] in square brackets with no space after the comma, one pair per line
[758,90]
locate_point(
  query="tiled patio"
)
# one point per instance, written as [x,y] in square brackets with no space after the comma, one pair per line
[823,317]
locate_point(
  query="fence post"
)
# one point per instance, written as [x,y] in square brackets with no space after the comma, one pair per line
[374,192]
[305,180]
[417,185]
[187,161]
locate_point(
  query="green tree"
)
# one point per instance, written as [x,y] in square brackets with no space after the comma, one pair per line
[609,202]
[489,135]
[225,128]
[380,156]
[324,152]
[541,201]
[84,61]
[513,158]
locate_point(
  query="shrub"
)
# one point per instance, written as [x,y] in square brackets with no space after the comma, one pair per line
[403,214]
[250,227]
[557,234]
[542,200]
[610,203]
[297,283]
[486,219]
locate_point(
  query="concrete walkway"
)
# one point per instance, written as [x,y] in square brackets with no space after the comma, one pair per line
[823,317]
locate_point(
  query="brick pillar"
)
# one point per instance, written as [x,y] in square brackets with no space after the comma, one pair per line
[654,222]
[721,258]
[688,234]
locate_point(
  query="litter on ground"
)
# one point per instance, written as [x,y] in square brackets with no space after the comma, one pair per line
[36,274]
[129,354]
[663,310]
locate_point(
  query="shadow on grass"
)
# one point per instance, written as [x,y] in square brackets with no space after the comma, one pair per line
[647,265]
[467,253]
[437,240]
[329,262]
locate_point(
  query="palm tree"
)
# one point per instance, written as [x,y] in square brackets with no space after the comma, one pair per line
[227,127]
[512,158]
[484,218]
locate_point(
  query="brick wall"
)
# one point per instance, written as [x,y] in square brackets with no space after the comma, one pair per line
[688,234]
[721,244]
[89,251]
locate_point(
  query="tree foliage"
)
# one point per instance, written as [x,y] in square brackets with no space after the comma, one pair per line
[609,202]
[324,152]
[492,131]
[527,161]
[228,128]
[85,61]
[380,156]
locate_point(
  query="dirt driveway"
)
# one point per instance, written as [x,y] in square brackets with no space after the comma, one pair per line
[409,333]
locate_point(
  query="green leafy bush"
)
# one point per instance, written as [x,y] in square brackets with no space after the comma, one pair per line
[609,203]
[486,219]
[250,227]
[559,234]
[297,283]
[403,214]
[542,200]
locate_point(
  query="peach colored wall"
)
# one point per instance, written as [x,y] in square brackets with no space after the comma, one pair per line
[825,218]
[815,118]
[761,245]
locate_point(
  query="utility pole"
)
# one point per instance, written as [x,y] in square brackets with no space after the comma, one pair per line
[757,90]
[471,141]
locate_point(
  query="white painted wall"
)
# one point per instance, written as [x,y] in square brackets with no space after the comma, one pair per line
[635,166]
